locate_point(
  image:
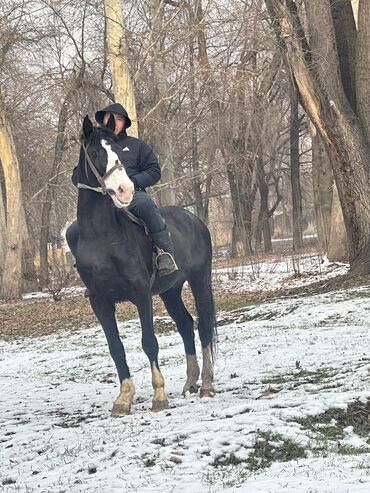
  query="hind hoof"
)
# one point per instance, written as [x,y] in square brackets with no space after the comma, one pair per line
[159,405]
[209,392]
[192,389]
[120,410]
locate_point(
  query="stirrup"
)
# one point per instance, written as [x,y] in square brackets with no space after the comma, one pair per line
[174,267]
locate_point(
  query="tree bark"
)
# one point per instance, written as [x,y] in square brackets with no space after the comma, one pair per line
[363,66]
[345,36]
[123,88]
[2,230]
[337,248]
[11,283]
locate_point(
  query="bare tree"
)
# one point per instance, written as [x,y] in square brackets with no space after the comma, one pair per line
[123,88]
[313,60]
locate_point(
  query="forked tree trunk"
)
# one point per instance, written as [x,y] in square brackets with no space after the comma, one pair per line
[323,98]
[123,88]
[11,283]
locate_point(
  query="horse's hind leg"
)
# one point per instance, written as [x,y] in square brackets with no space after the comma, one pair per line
[184,322]
[105,312]
[202,290]
[150,346]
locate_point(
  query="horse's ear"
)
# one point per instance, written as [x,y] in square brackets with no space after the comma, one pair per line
[87,127]
[111,123]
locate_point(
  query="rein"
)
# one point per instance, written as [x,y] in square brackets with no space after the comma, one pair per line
[101,179]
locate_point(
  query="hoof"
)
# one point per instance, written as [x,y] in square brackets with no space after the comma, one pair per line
[192,389]
[159,405]
[210,392]
[120,410]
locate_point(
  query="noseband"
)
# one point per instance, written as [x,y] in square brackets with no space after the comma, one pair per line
[101,179]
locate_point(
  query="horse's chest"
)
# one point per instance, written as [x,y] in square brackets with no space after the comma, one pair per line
[106,270]
[95,264]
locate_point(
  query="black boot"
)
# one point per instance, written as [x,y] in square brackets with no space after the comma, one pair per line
[165,260]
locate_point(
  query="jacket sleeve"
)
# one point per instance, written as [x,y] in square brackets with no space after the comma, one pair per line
[150,171]
[75,176]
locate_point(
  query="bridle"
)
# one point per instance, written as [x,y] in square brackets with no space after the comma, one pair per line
[101,179]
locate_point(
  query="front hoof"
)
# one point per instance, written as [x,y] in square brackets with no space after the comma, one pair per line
[159,405]
[120,410]
[208,392]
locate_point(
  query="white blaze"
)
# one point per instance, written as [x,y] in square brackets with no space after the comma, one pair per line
[118,181]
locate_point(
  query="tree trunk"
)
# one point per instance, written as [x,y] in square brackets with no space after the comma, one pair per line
[345,36]
[2,230]
[337,248]
[295,173]
[118,60]
[162,128]
[363,66]
[50,189]
[11,284]
[322,180]
[323,98]
[263,216]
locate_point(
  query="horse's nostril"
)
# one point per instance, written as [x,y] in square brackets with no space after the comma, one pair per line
[120,189]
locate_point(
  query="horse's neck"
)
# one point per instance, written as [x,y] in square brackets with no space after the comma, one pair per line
[96,216]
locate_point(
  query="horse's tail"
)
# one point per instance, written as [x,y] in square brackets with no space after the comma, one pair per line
[205,305]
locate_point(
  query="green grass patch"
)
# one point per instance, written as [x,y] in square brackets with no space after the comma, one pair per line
[349,450]
[269,447]
[301,377]
[356,415]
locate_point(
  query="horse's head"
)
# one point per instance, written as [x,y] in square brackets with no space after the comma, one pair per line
[99,164]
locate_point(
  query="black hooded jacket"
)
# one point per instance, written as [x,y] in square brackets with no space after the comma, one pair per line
[138,158]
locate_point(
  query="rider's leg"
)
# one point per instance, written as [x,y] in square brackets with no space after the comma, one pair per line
[144,208]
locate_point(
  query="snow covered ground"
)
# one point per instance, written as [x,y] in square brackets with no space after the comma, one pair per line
[277,361]
[275,273]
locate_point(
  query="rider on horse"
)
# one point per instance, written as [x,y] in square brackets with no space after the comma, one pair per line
[142,168]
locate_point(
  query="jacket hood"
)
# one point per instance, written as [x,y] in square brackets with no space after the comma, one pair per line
[113,108]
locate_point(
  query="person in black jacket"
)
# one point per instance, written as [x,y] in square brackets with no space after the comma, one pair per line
[142,168]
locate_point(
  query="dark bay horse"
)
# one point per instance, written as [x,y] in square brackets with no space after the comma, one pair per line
[114,258]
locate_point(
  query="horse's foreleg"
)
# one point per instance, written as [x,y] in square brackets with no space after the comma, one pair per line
[122,405]
[105,312]
[150,347]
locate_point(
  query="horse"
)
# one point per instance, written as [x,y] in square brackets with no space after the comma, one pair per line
[114,258]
